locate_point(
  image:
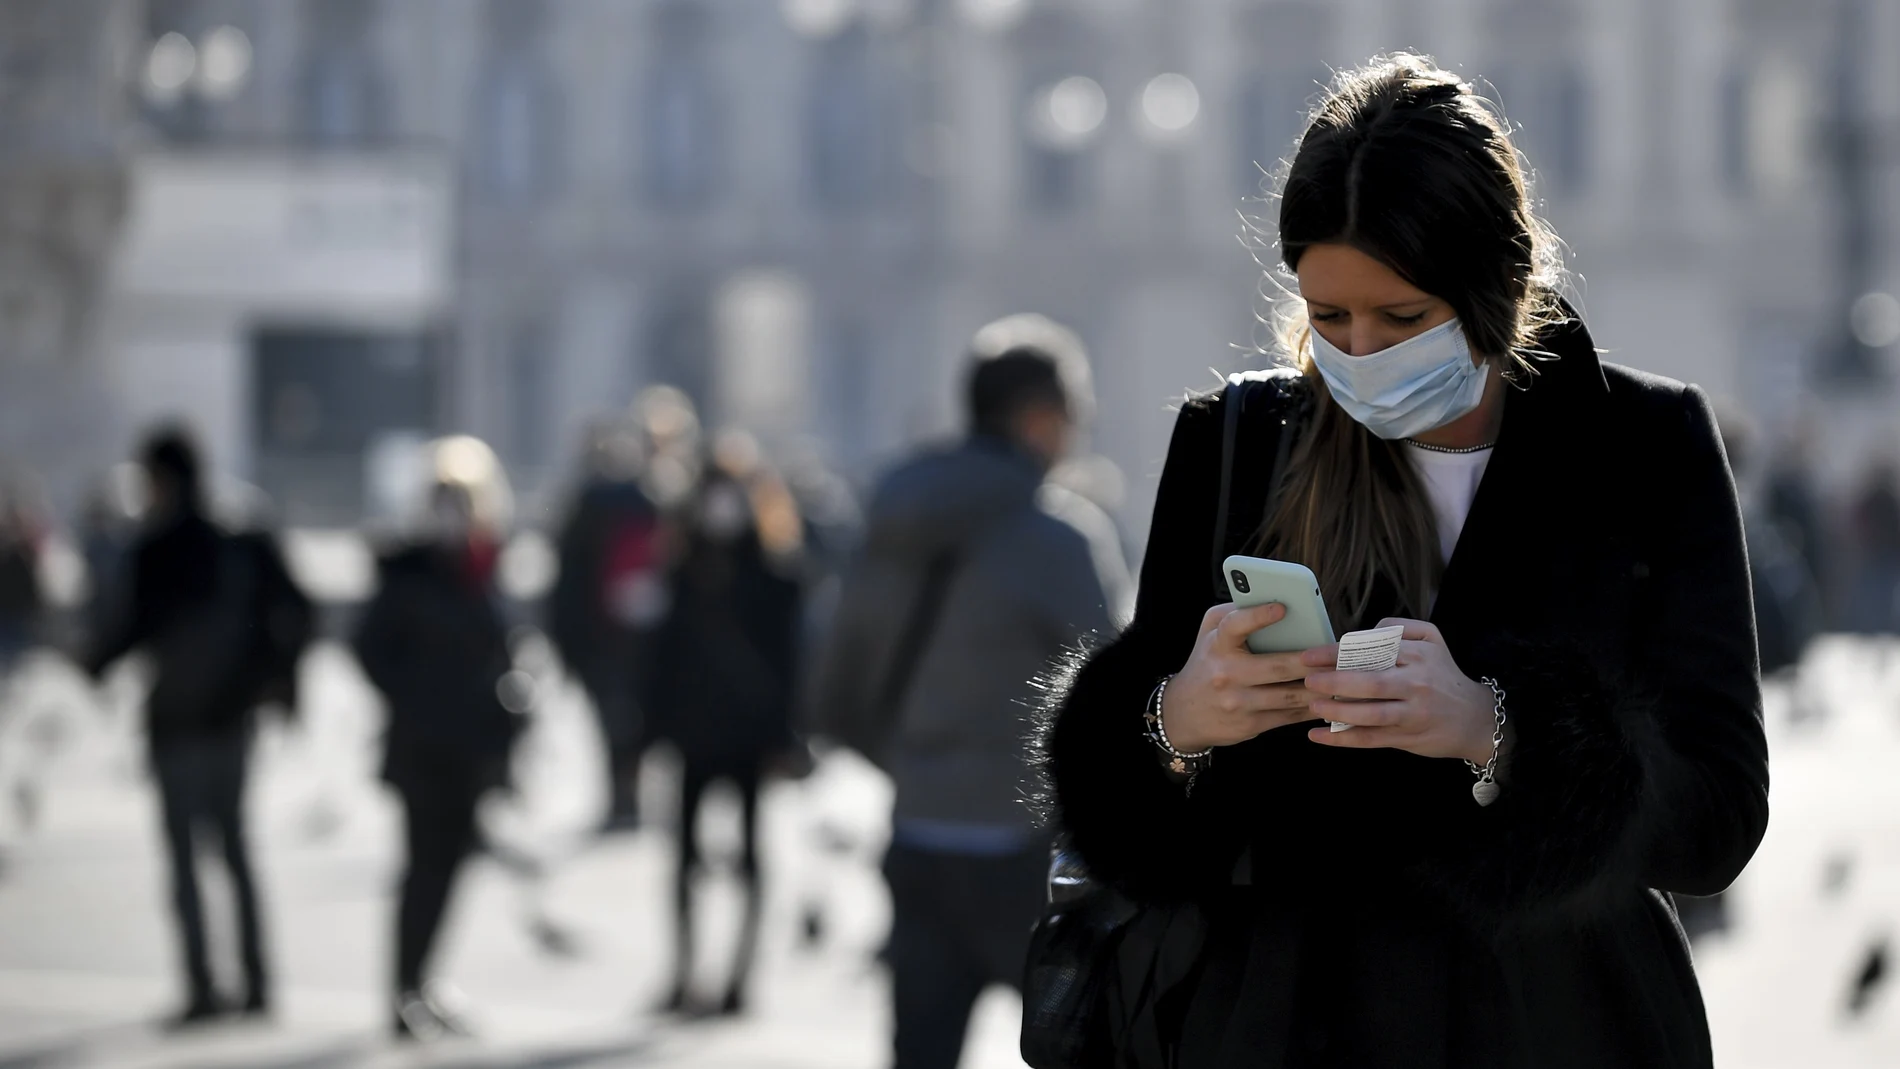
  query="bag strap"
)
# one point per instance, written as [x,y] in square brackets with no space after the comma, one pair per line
[918,626]
[1230,426]
[1232,398]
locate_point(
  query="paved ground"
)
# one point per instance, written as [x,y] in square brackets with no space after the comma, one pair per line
[86,960]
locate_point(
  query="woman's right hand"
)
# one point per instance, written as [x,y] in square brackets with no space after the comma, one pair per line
[1226,693]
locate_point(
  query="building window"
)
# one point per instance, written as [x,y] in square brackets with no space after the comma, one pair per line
[1549,108]
[1272,116]
[193,65]
[1062,120]
[845,145]
[1062,112]
[679,348]
[517,143]
[528,381]
[1287,47]
[342,92]
[680,115]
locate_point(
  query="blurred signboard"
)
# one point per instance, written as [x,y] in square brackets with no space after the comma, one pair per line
[290,233]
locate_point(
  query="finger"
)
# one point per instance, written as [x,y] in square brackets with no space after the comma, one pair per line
[1387,685]
[1362,714]
[1240,623]
[1263,669]
[1213,616]
[1415,630]
[1321,656]
[1357,738]
[1281,699]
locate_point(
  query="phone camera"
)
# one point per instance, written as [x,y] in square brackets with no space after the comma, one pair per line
[1240,581]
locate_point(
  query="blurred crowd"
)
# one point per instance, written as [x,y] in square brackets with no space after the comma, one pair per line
[746,613]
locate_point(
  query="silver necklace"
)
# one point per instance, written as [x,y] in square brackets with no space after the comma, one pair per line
[1430,448]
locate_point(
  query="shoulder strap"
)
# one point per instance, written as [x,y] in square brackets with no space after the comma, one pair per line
[915,636]
[1232,399]
[1230,424]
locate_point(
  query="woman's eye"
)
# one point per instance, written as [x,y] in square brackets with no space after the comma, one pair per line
[1326,317]
[1406,321]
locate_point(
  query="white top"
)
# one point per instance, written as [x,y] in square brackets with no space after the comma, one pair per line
[1451,480]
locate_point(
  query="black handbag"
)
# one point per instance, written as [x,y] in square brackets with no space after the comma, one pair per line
[1091,934]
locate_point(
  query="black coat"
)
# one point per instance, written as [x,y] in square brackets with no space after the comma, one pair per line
[223,620]
[1362,909]
[726,659]
[434,641]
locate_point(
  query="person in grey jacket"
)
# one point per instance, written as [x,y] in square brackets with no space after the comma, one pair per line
[975,574]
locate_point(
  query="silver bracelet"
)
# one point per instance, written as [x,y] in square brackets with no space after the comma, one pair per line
[1485,791]
[1182,763]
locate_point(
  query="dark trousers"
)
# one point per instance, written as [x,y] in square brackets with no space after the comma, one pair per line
[697,778]
[439,826]
[959,924]
[201,793]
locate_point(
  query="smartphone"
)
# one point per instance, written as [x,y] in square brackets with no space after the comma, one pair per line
[1257,581]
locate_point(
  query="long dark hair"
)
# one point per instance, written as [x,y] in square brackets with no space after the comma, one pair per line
[1410,165]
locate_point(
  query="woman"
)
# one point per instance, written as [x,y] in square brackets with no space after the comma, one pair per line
[1560,541]
[724,664]
[434,641]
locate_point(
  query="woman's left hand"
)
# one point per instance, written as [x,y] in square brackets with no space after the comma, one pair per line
[1423,705]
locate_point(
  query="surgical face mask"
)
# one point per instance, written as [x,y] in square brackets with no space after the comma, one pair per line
[1420,384]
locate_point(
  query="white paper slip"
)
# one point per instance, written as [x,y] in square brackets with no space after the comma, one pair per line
[1372,650]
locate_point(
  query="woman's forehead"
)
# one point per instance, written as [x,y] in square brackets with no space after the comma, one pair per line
[1341,274]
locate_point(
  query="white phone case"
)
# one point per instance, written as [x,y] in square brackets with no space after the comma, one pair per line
[1257,581]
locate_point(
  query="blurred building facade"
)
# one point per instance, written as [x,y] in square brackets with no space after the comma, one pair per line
[504,216]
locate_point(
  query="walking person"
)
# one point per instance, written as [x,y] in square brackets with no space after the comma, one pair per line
[225,626]
[434,642]
[608,600]
[975,575]
[1478,871]
[725,668]
[1873,596]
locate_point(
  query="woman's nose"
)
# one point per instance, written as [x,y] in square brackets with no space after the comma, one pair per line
[1365,341]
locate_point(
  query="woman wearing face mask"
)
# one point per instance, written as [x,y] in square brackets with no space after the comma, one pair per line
[1560,541]
[434,642]
[724,667]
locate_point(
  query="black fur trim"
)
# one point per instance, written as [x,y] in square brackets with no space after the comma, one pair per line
[1130,823]
[1566,831]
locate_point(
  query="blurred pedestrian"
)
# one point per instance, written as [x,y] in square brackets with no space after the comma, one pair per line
[608,600]
[1787,596]
[1873,595]
[726,662]
[976,574]
[434,641]
[1477,871]
[108,528]
[1789,501]
[225,626]
[21,599]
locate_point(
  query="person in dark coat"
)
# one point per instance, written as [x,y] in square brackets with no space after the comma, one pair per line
[725,666]
[608,600]
[434,642]
[1425,889]
[225,624]
[21,600]
[977,572]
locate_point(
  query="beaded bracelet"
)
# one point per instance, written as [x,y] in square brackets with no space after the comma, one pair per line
[1180,763]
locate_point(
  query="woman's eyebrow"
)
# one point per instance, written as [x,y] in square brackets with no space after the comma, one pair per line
[1413,303]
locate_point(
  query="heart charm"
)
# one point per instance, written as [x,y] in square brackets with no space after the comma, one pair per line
[1485,791]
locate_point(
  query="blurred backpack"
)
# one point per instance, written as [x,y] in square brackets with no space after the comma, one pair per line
[236,648]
